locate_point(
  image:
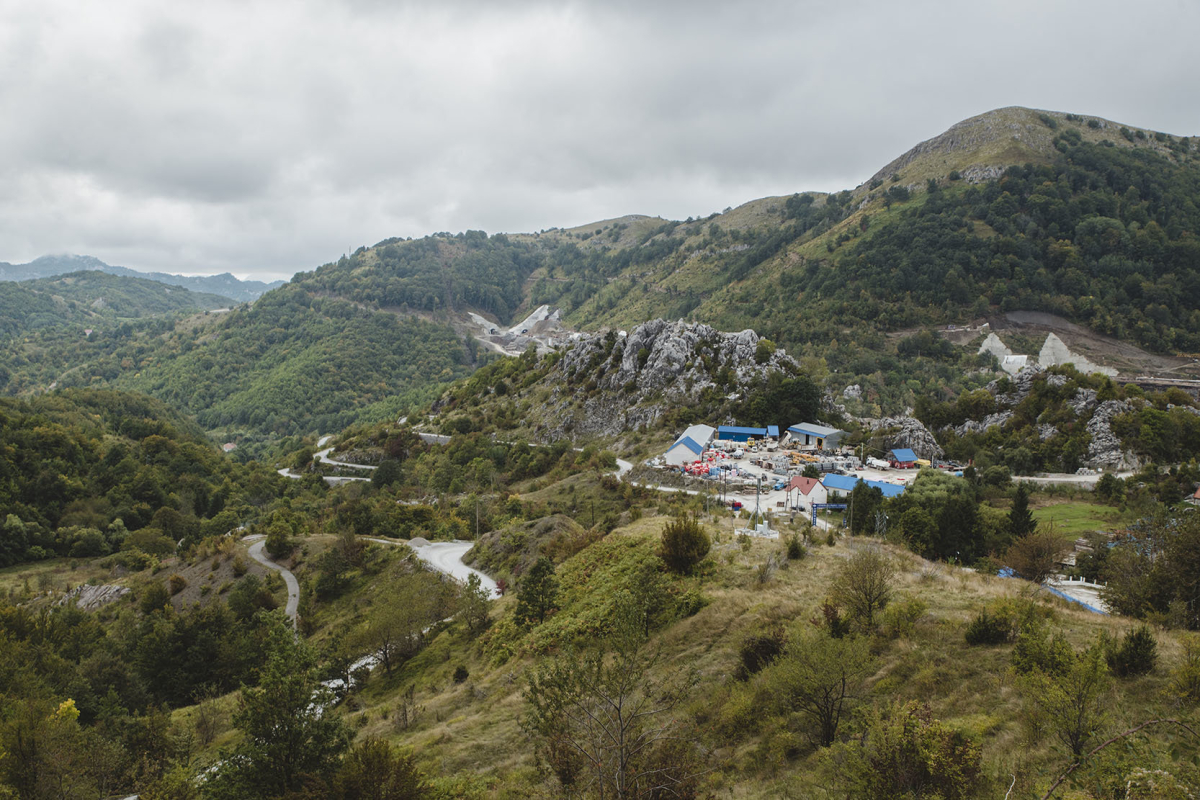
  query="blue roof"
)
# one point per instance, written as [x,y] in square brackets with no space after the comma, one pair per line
[846,483]
[741,431]
[773,430]
[904,454]
[690,444]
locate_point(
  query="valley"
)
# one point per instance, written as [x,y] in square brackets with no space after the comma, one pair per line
[421,518]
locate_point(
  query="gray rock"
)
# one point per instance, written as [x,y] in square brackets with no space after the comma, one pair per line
[908,432]
[1104,449]
[659,365]
[89,598]
[852,392]
[979,426]
[1083,402]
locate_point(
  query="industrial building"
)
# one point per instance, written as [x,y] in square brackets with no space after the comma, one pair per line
[903,458]
[846,484]
[732,433]
[810,434]
[690,445]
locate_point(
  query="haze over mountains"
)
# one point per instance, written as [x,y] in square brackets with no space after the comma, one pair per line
[224,284]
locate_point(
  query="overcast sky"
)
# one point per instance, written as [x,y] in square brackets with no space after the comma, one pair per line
[263,138]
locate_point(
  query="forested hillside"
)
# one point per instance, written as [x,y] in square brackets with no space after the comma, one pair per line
[91,472]
[93,299]
[291,363]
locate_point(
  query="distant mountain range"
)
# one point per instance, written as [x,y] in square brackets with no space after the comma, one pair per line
[224,284]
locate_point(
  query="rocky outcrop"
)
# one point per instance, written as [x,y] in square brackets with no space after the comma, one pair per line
[631,381]
[1083,402]
[908,432]
[979,426]
[852,392]
[89,598]
[1020,385]
[1104,449]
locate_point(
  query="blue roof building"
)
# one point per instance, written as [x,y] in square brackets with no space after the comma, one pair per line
[846,484]
[904,455]
[733,433]
[810,434]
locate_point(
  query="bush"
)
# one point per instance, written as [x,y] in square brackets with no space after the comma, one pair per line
[986,628]
[758,650]
[900,618]
[154,597]
[239,566]
[1136,655]
[684,544]
[461,674]
[177,583]
[1185,679]
[795,550]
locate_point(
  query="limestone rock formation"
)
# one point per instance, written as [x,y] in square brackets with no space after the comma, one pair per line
[631,381]
[1104,449]
[89,598]
[908,432]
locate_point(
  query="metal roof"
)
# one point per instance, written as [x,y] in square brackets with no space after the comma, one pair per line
[742,431]
[689,443]
[904,454]
[813,429]
[773,431]
[846,483]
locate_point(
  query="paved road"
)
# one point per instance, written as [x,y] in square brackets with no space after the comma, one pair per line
[446,557]
[293,586]
[1082,481]
[324,458]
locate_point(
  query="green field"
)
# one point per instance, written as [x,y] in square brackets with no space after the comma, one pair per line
[1078,517]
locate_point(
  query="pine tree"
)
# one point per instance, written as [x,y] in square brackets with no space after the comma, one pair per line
[1020,518]
[538,595]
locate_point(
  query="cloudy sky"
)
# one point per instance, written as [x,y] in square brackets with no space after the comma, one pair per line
[263,138]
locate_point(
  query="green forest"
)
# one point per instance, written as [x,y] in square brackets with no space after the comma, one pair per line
[92,300]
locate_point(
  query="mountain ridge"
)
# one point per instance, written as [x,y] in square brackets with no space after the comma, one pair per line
[225,284]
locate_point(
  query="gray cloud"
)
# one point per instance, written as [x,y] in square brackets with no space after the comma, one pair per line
[268,137]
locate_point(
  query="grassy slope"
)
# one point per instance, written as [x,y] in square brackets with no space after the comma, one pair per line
[473,728]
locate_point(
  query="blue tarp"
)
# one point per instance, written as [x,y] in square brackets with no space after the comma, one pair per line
[904,454]
[773,431]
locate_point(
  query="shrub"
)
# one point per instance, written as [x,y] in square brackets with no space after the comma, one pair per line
[1136,655]
[795,550]
[154,597]
[461,674]
[864,585]
[758,650]
[1185,679]
[986,628]
[177,583]
[684,544]
[900,618]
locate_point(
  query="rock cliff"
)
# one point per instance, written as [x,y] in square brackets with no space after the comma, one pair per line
[629,382]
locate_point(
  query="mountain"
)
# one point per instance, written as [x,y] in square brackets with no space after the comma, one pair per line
[1013,211]
[224,284]
[93,299]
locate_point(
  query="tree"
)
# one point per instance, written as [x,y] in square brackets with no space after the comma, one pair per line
[1020,518]
[1073,703]
[684,544]
[821,677]
[1035,556]
[864,585]
[473,605]
[289,741]
[1110,489]
[906,753]
[811,471]
[865,503]
[395,630]
[538,594]
[374,770]
[607,721]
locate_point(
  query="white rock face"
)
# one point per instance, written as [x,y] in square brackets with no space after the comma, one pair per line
[1104,449]
[632,381]
[910,433]
[1055,353]
[89,598]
